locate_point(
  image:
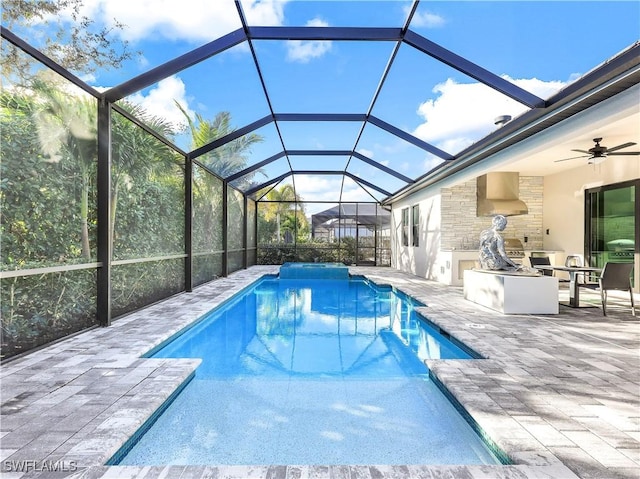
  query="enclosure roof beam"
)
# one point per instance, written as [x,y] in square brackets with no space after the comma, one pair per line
[385,74]
[320,117]
[409,137]
[325,33]
[176,65]
[349,153]
[319,152]
[360,156]
[380,166]
[471,69]
[45,60]
[319,172]
[253,189]
[366,183]
[245,28]
[255,167]
[341,172]
[277,179]
[234,135]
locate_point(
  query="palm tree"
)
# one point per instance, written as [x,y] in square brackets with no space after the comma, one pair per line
[279,202]
[67,126]
[134,152]
[228,158]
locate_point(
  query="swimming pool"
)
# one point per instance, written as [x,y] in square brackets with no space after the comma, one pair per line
[310,372]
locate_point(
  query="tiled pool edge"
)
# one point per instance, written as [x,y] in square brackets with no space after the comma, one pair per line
[176,334]
[496,450]
[438,368]
[246,471]
[499,457]
[90,445]
[133,439]
[482,419]
[529,463]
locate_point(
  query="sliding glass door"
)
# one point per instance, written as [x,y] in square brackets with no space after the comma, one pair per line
[613,229]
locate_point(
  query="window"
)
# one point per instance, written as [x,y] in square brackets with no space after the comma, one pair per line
[415,225]
[405,227]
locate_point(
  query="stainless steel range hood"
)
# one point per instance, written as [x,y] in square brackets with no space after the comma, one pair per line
[498,194]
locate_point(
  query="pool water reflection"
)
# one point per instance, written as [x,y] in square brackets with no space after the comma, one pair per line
[311,372]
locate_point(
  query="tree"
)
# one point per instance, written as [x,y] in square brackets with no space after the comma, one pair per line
[79,44]
[67,125]
[34,232]
[279,202]
[134,152]
[228,158]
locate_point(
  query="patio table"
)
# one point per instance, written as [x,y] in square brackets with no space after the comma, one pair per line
[574,286]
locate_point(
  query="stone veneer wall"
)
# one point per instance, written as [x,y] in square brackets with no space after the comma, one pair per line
[461,227]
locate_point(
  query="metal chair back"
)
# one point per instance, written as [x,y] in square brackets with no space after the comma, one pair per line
[616,276]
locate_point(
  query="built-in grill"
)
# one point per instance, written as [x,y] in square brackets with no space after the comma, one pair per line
[514,249]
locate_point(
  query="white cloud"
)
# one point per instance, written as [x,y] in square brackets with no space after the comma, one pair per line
[327,188]
[264,12]
[365,152]
[160,101]
[355,193]
[462,113]
[318,188]
[431,162]
[191,20]
[303,51]
[426,19]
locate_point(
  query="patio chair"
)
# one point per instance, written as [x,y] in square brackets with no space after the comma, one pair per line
[541,261]
[614,276]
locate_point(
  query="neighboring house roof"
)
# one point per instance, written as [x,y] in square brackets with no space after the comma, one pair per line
[363,213]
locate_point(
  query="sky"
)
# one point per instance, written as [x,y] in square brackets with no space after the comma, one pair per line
[541,46]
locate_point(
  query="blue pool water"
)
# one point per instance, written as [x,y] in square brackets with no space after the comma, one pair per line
[311,372]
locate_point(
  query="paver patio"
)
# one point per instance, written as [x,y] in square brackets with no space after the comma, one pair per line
[559,394]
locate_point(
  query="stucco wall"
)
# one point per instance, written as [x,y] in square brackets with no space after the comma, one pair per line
[420,260]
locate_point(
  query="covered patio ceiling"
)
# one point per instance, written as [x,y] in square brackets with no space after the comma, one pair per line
[333,118]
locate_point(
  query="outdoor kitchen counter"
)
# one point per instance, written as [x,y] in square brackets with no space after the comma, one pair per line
[452,263]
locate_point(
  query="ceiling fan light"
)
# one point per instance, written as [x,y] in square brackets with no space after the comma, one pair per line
[596,160]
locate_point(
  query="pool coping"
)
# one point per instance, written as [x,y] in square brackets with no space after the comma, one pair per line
[76,402]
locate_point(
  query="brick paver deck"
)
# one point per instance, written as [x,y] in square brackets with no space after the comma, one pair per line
[559,394]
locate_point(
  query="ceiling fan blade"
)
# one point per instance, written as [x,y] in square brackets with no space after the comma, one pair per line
[619,147]
[624,153]
[583,151]
[573,158]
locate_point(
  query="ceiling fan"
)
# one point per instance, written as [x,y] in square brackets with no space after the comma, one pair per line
[599,153]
